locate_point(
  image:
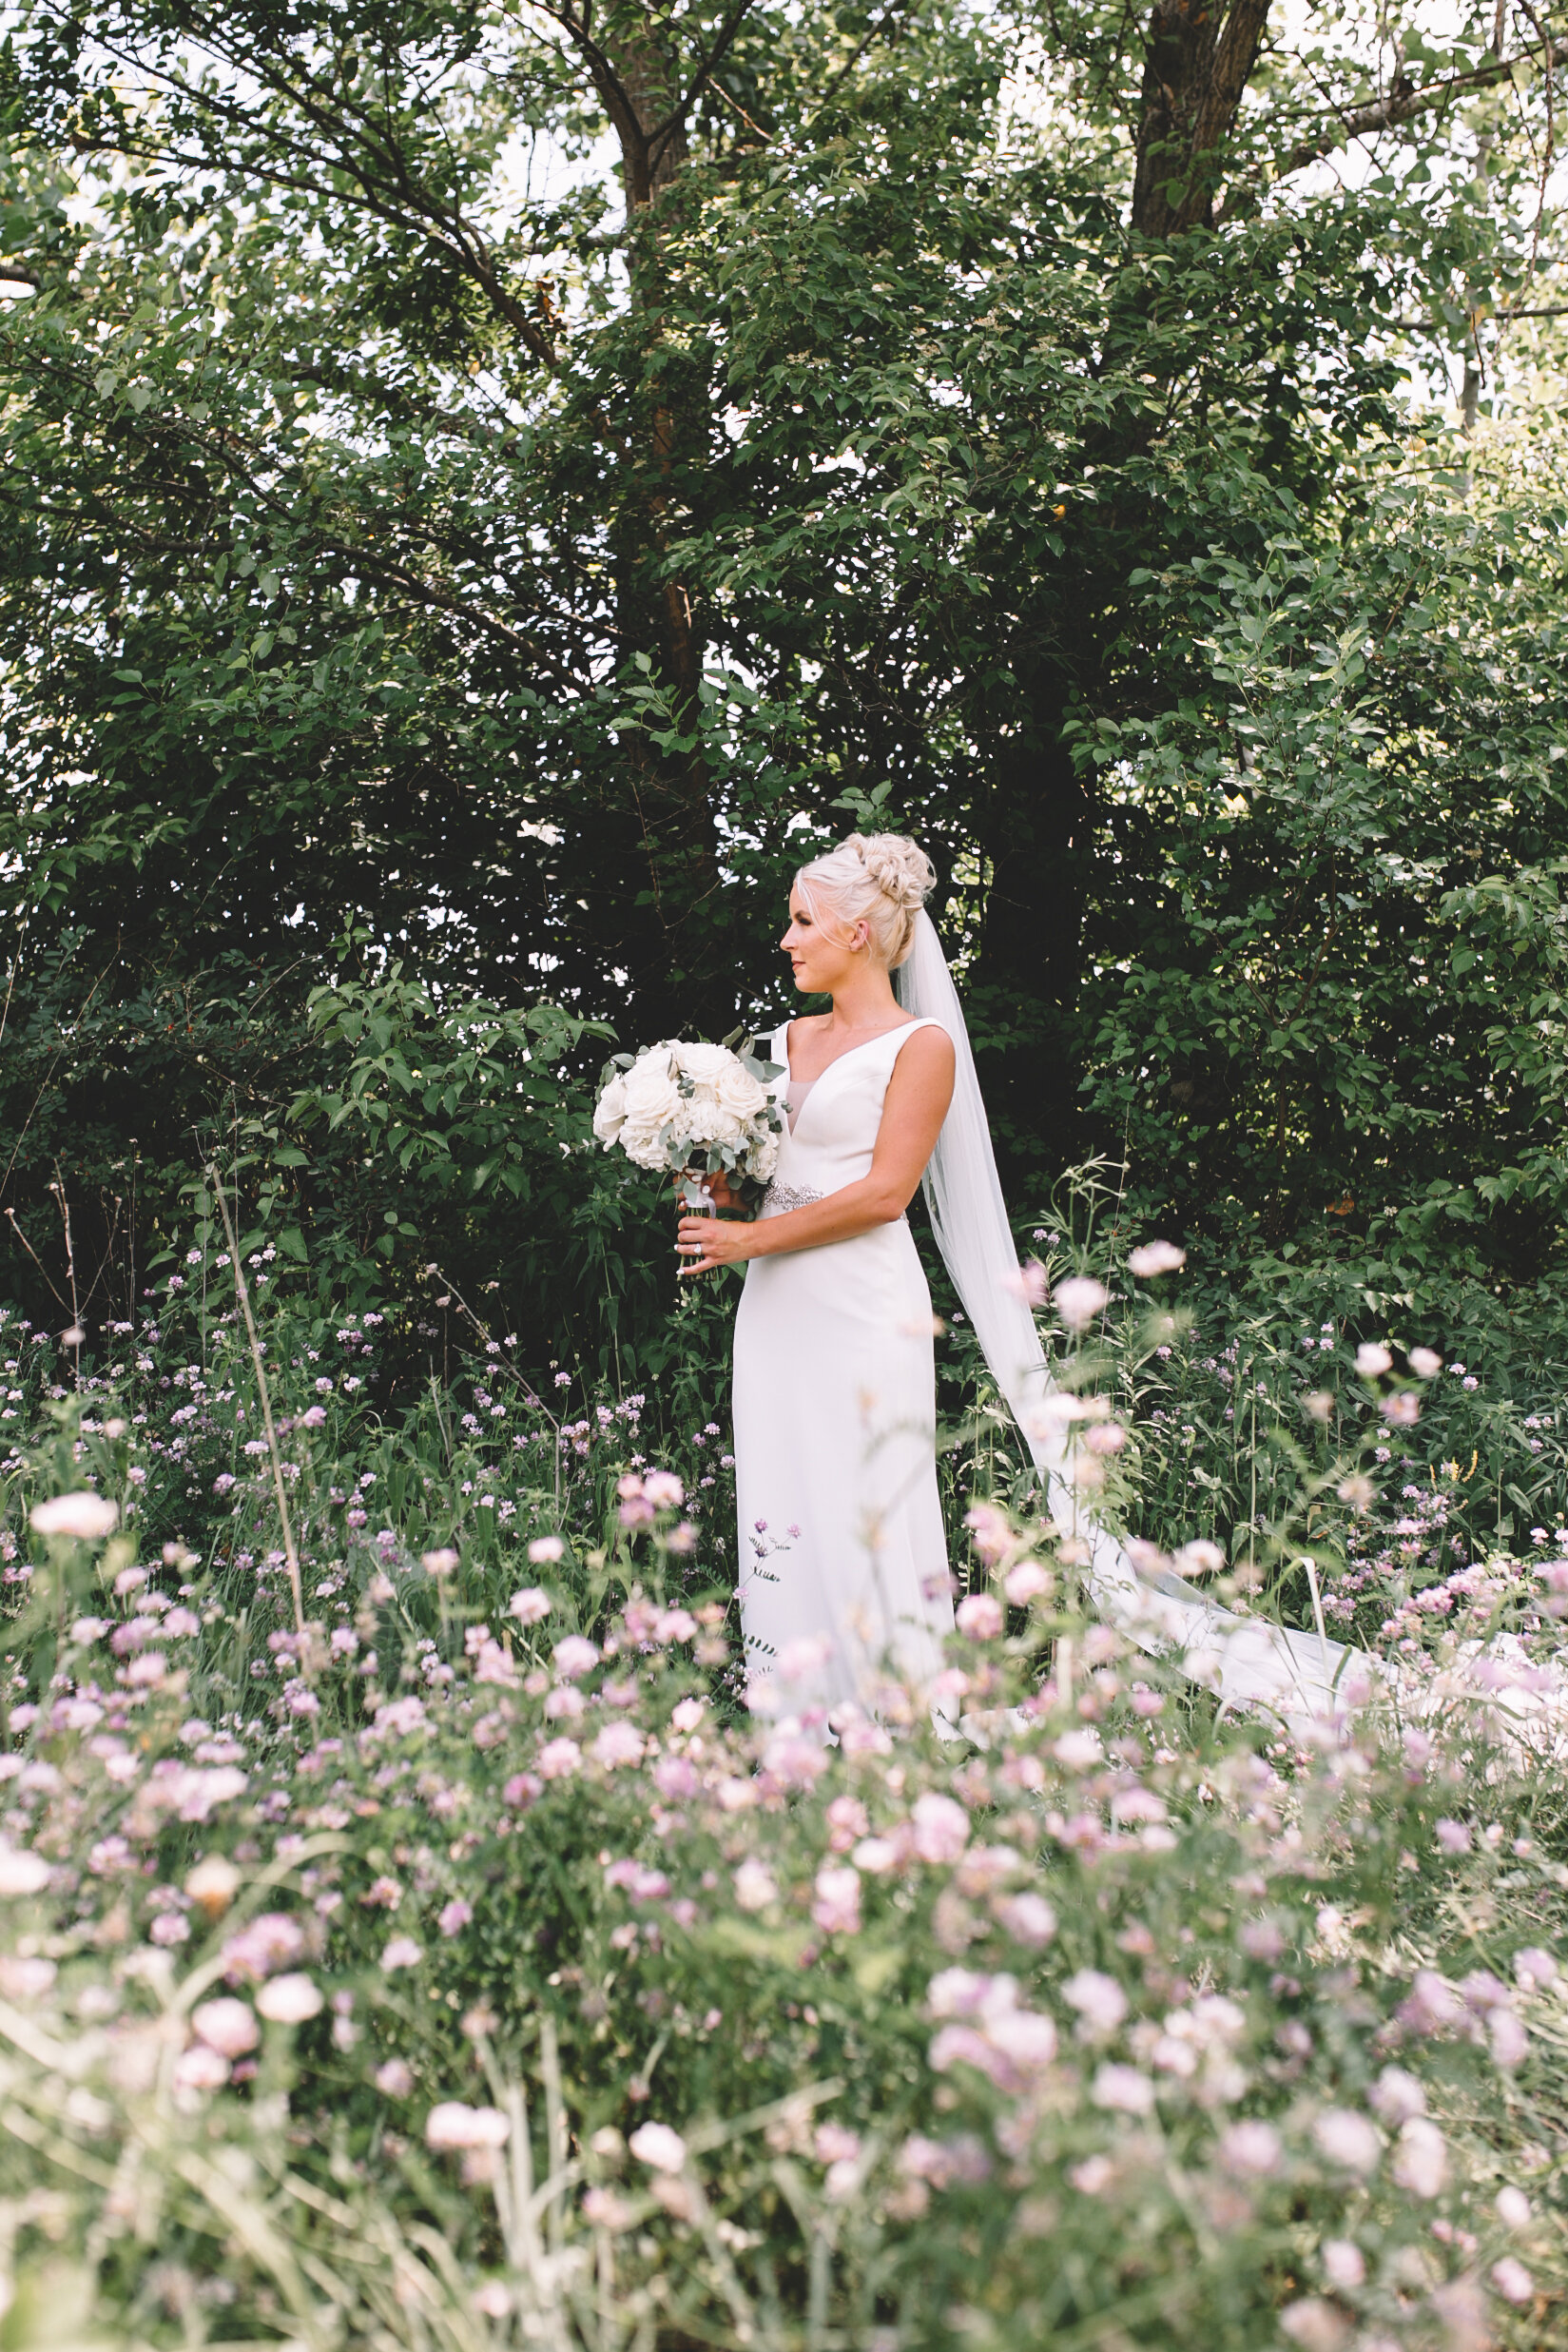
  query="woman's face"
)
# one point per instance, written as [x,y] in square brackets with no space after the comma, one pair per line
[822,961]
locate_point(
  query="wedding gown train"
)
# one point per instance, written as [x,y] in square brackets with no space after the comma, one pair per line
[842,1554]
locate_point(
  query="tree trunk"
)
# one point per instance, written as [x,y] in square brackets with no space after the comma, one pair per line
[1198,64]
[1035,832]
[670,790]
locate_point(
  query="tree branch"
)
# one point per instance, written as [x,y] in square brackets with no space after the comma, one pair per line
[1403,104]
[658,138]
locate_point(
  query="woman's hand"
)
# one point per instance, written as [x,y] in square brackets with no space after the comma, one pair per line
[705,1242]
[716,1187]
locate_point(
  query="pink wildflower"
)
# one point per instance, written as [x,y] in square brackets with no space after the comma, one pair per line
[228,2026]
[267,1944]
[573,1656]
[1078,1300]
[1251,2150]
[991,1529]
[837,1908]
[618,1743]
[979,1616]
[659,2148]
[676,1778]
[940,1826]
[455,2125]
[1156,1257]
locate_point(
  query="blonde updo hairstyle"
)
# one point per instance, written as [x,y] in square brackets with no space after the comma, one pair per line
[881,879]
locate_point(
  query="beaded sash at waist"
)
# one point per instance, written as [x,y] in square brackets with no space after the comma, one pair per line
[779,1197]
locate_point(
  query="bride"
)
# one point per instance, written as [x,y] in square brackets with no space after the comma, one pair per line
[842,1560]
[843,1556]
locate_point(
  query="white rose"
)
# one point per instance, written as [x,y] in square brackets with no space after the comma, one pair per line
[701,1121]
[738,1093]
[703,1064]
[643,1146]
[763,1158]
[609,1113]
[652,1096]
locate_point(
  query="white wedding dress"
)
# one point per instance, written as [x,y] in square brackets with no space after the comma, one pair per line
[841,1553]
[843,1560]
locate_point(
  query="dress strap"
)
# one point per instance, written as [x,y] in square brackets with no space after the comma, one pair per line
[924,1021]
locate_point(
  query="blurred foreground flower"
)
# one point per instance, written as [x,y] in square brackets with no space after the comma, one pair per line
[212,1884]
[289,2000]
[1156,1257]
[1078,1300]
[455,2125]
[657,2146]
[89,1517]
[21,1872]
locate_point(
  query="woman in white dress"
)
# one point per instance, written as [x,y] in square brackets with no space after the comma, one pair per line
[843,1561]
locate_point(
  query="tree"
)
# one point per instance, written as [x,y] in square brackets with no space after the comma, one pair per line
[395,547]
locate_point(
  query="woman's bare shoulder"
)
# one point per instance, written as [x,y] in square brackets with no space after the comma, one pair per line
[925,1059]
[932,1044]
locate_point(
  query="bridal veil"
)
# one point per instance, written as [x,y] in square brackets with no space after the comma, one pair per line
[1246,1660]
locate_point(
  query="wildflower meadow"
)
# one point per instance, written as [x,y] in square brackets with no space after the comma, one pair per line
[413,1936]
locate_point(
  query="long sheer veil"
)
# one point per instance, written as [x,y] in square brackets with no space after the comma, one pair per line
[1245,1659]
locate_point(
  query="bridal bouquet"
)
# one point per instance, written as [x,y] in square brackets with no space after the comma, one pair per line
[699,1110]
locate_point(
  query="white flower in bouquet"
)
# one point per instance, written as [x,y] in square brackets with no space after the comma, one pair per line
[693,1106]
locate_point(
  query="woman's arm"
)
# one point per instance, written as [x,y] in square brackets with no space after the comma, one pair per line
[917,1095]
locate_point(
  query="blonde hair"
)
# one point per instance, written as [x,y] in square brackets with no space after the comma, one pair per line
[881,879]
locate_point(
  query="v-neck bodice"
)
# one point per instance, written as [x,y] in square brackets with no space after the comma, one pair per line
[832,1119]
[796,1098]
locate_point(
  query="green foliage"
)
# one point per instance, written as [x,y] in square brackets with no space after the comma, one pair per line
[1336,1026]
[393,550]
